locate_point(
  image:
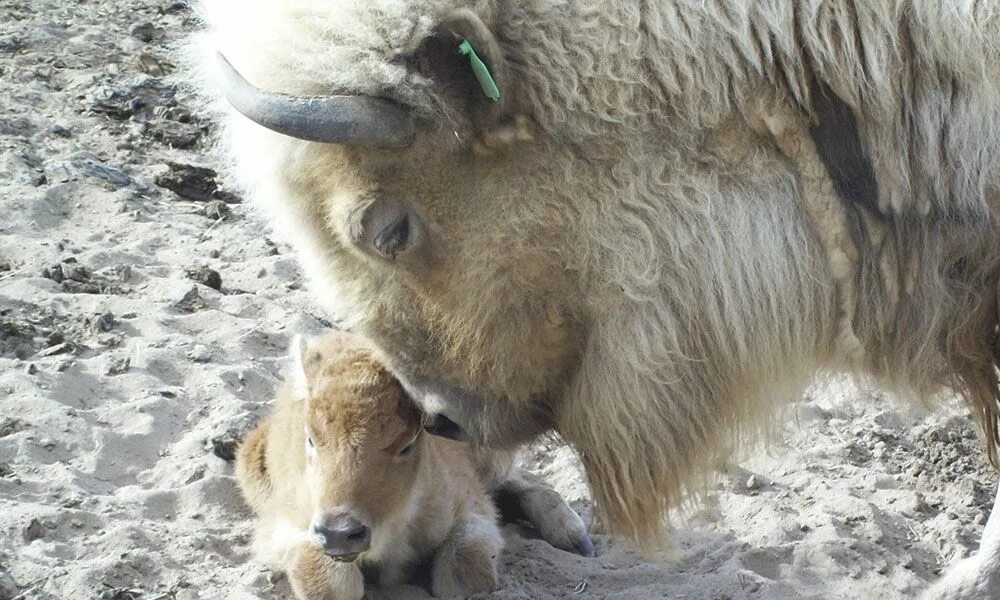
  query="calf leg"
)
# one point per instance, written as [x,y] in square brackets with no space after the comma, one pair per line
[315,576]
[978,576]
[467,561]
[520,494]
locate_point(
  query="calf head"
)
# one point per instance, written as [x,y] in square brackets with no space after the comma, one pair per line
[363,442]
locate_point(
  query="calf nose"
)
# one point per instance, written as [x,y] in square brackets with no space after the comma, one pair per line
[440,425]
[343,537]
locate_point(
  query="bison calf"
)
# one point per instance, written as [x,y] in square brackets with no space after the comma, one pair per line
[343,481]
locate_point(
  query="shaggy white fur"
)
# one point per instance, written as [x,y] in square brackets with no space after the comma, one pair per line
[653,271]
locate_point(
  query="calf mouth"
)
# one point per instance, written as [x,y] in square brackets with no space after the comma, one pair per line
[344,558]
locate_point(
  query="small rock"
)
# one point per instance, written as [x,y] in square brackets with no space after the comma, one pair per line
[47,443]
[54,273]
[110,340]
[91,167]
[6,469]
[224,446]
[979,519]
[32,369]
[34,530]
[206,276]
[57,349]
[189,181]
[200,353]
[60,130]
[191,302]
[186,595]
[118,365]
[56,337]
[752,483]
[105,322]
[174,133]
[217,209]
[143,31]
[214,254]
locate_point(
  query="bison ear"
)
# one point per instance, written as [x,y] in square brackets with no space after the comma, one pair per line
[468,71]
[300,381]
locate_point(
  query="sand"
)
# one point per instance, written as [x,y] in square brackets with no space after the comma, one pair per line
[144,315]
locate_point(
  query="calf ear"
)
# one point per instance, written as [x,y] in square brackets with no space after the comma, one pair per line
[300,381]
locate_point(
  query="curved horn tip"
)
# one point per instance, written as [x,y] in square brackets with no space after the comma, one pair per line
[342,119]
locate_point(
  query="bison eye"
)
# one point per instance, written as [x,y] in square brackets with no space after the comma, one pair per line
[389,227]
[394,237]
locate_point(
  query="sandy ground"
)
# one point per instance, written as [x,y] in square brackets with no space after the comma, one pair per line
[144,313]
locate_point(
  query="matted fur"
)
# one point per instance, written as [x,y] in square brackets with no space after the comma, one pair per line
[646,271]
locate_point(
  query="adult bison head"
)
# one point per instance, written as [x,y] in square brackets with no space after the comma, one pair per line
[430,221]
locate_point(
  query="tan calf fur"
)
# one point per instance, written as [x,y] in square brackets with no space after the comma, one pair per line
[342,477]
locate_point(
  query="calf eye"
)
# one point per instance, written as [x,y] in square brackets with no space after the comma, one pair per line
[389,227]
[408,449]
[310,446]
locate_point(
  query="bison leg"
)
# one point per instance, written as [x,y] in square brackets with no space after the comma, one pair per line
[523,495]
[315,576]
[467,562]
[978,576]
[520,495]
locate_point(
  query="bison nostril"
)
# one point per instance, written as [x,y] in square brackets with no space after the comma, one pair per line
[344,537]
[361,533]
[442,426]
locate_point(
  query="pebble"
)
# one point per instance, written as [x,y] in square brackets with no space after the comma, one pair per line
[105,322]
[56,349]
[143,31]
[60,130]
[224,446]
[189,181]
[33,531]
[118,365]
[191,302]
[217,209]
[200,353]
[5,469]
[752,483]
[47,443]
[979,519]
[206,276]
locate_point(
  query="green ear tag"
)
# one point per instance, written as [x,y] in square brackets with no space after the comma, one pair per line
[481,71]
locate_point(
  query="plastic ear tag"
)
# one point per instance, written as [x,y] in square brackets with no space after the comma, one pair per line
[481,71]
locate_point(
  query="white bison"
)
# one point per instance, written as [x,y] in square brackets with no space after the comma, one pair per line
[662,221]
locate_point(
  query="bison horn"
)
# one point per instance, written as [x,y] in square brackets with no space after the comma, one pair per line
[348,120]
